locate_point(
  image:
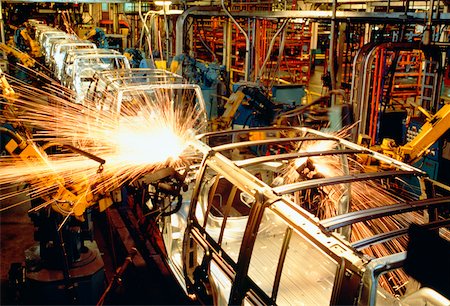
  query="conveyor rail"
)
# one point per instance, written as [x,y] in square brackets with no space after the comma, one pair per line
[364,243]
[277,141]
[287,156]
[290,188]
[378,212]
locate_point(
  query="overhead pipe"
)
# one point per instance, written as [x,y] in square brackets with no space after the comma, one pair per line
[361,80]
[315,15]
[179,27]
[205,11]
[2,29]
[272,43]
[166,30]
[141,36]
[331,50]
[247,42]
[280,55]
[427,33]
[144,21]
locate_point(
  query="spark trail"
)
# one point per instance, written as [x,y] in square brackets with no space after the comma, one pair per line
[146,133]
[361,195]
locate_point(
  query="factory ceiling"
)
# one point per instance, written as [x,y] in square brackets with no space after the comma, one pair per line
[368,4]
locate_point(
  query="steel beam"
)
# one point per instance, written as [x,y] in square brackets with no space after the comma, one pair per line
[378,212]
[303,185]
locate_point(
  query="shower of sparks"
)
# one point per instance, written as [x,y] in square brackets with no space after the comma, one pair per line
[151,130]
[363,195]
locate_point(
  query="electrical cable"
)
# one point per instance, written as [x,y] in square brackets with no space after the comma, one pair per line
[280,56]
[203,41]
[269,51]
[147,30]
[118,275]
[247,41]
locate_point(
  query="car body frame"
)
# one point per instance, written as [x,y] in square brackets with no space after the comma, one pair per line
[247,237]
[126,92]
[59,49]
[71,55]
[84,67]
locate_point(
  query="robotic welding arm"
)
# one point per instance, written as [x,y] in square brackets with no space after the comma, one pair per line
[98,36]
[21,34]
[65,198]
[430,132]
[162,186]
[23,57]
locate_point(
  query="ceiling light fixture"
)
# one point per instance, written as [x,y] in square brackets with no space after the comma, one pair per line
[163,3]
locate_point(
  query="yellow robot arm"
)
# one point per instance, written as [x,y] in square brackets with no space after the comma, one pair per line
[6,88]
[224,122]
[24,58]
[34,46]
[90,34]
[66,199]
[430,132]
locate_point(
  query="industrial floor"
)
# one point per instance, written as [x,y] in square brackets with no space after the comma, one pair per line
[16,232]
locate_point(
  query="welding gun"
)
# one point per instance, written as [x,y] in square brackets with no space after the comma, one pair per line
[161,185]
[24,42]
[435,126]
[64,198]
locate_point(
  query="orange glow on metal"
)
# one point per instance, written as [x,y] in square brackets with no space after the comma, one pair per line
[146,136]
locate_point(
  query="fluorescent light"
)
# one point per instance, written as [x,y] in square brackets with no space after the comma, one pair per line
[163,3]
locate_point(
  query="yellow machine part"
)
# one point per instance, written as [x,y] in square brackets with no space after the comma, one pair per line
[223,122]
[88,33]
[83,30]
[7,89]
[411,152]
[63,200]
[430,132]
[161,64]
[35,50]
[104,203]
[24,58]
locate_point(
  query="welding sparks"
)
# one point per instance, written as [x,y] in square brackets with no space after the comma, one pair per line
[328,201]
[146,130]
[133,142]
